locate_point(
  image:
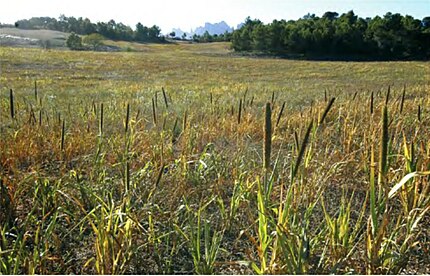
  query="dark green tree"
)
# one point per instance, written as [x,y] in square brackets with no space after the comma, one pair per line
[74,42]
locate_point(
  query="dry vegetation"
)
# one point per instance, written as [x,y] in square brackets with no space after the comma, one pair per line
[186,159]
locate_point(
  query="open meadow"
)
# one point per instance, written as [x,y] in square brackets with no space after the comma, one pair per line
[187,158]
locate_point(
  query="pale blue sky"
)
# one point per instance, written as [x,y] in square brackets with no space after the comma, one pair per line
[187,14]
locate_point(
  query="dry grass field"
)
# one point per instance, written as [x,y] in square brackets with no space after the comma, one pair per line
[187,158]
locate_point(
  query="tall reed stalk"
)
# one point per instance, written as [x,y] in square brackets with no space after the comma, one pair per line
[154,116]
[101,119]
[280,114]
[239,114]
[383,153]
[165,97]
[302,151]
[267,136]
[184,121]
[63,130]
[127,118]
[12,105]
[419,113]
[327,109]
[35,90]
[387,97]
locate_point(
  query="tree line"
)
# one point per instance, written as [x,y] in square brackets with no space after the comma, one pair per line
[392,36]
[206,37]
[111,30]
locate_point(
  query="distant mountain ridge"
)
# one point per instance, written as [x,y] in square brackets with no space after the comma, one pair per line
[211,28]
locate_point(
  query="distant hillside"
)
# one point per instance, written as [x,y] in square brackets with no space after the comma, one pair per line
[37,38]
[212,29]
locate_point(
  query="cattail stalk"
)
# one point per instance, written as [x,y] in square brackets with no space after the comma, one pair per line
[184,121]
[244,98]
[296,141]
[160,174]
[165,98]
[355,95]
[101,119]
[371,103]
[40,117]
[127,118]
[12,105]
[94,109]
[137,115]
[327,109]
[164,122]
[280,114]
[403,99]
[383,153]
[174,130]
[31,117]
[302,150]
[154,116]
[387,97]
[267,136]
[47,118]
[239,114]
[35,90]
[127,177]
[62,134]
[419,113]
[156,99]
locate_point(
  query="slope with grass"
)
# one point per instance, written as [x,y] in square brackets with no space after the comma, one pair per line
[35,38]
[188,159]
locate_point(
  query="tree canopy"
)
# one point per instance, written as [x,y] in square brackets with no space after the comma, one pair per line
[74,41]
[392,36]
[95,40]
[110,30]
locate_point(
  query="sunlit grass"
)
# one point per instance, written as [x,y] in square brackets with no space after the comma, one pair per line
[177,159]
